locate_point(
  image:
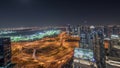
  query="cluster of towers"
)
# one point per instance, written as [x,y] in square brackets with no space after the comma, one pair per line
[92,37]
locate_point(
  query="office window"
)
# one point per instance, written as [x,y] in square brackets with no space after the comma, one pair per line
[2,62]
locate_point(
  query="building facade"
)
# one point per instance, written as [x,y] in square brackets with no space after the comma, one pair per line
[5,52]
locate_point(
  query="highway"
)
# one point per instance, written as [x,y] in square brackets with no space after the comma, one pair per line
[50,54]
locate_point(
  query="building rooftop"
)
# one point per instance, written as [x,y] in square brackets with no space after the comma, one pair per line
[83,54]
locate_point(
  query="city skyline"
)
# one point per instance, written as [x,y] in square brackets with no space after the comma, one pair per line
[23,13]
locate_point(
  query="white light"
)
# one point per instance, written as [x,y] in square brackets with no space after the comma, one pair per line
[92,27]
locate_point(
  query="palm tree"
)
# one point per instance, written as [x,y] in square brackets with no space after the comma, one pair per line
[34,53]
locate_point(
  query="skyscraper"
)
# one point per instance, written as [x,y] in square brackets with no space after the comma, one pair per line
[5,52]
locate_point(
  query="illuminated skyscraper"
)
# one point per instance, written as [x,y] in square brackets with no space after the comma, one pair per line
[5,52]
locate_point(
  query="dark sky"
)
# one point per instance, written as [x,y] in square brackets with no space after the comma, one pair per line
[18,13]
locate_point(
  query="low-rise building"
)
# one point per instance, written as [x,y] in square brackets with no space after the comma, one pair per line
[83,58]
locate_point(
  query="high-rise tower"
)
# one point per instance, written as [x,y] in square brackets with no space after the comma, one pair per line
[5,52]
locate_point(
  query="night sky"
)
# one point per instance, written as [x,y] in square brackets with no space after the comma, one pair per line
[21,13]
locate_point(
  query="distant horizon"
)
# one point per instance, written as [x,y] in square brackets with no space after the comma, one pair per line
[62,25]
[9,25]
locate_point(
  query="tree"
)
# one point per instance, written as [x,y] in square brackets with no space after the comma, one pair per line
[34,53]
